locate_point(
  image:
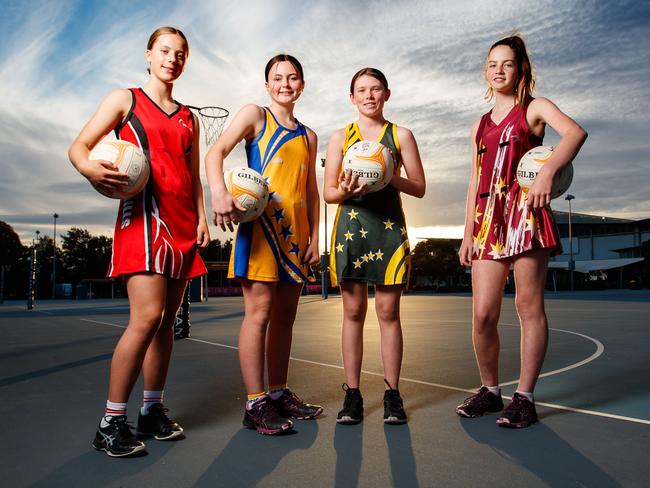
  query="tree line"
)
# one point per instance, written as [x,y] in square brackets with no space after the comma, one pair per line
[79,256]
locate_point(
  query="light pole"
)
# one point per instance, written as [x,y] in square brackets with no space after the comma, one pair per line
[31,289]
[55,216]
[324,259]
[572,264]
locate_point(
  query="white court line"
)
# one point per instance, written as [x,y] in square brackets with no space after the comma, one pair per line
[599,350]
[420,382]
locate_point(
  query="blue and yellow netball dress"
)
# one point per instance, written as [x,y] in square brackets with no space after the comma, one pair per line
[369,239]
[271,247]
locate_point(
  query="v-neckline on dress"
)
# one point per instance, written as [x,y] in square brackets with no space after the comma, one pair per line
[168,115]
[381,133]
[504,118]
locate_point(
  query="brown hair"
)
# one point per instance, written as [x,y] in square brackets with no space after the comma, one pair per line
[278,58]
[374,72]
[168,30]
[525,83]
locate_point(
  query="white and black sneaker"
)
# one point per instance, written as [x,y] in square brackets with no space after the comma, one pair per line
[393,406]
[157,424]
[116,438]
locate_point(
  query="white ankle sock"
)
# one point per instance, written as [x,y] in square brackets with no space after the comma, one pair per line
[495,390]
[528,395]
[113,409]
[151,397]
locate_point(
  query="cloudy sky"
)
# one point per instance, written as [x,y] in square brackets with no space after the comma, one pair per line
[61,58]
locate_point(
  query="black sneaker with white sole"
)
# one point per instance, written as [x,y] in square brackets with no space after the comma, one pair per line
[393,407]
[157,424]
[117,439]
[352,412]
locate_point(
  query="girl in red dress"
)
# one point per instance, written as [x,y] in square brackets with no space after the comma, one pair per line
[505,225]
[156,235]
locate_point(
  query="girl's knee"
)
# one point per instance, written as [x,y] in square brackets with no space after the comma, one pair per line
[485,321]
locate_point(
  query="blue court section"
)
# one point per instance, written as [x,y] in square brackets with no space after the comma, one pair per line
[595,412]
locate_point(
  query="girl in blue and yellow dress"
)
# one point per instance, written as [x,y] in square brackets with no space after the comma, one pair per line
[272,254]
[370,242]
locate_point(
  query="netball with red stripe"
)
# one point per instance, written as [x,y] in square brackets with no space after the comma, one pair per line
[532,162]
[129,159]
[250,189]
[372,162]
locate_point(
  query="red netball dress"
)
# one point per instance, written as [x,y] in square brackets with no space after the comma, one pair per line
[503,227]
[155,231]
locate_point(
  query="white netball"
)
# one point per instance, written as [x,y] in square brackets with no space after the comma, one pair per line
[372,161]
[250,189]
[532,162]
[129,159]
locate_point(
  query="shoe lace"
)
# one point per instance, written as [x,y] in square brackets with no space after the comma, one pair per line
[124,427]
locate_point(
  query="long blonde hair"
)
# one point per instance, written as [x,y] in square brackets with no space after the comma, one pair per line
[525,84]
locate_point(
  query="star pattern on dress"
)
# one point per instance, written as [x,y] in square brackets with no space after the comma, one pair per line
[379,255]
[477,245]
[497,250]
[339,247]
[363,233]
[371,255]
[402,230]
[357,264]
[294,248]
[353,214]
[365,258]
[278,215]
[530,223]
[348,236]
[388,224]
[477,214]
[286,232]
[500,188]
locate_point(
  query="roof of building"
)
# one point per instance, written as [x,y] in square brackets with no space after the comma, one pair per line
[578,218]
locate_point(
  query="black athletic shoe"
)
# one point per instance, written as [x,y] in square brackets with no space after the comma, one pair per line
[116,438]
[393,407]
[264,418]
[291,405]
[519,414]
[352,412]
[480,403]
[157,424]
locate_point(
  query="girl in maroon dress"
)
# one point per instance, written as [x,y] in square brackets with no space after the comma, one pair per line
[156,235]
[508,226]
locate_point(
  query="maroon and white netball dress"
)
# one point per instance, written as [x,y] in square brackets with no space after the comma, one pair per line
[156,230]
[503,227]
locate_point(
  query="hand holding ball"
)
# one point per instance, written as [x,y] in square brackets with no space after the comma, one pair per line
[250,189]
[372,162]
[129,159]
[532,162]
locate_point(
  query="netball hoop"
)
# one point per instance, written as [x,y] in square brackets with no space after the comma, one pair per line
[213,120]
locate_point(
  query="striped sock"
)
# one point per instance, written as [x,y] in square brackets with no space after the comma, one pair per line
[113,409]
[254,398]
[276,391]
[150,397]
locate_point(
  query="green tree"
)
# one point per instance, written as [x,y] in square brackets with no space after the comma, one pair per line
[84,255]
[13,263]
[436,260]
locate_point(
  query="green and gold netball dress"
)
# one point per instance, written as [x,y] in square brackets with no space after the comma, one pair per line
[369,239]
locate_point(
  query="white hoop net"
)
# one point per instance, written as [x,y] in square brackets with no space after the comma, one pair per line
[213,120]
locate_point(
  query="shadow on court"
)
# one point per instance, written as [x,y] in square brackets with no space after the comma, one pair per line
[540,451]
[249,457]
